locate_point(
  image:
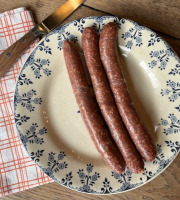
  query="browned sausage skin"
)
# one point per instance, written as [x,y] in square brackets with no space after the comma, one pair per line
[137,131]
[105,99]
[99,135]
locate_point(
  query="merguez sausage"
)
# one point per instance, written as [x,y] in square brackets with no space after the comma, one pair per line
[105,99]
[99,135]
[137,131]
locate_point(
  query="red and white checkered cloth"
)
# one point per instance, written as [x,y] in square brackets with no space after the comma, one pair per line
[17,171]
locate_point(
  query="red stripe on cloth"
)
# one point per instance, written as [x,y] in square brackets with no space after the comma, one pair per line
[17,170]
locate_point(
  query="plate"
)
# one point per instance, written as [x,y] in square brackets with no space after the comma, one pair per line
[50,125]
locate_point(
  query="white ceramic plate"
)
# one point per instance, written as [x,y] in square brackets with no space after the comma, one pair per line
[50,125]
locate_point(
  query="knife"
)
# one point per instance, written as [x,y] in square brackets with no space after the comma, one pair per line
[11,54]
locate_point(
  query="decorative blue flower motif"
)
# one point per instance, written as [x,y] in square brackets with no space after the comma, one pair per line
[24,80]
[163,64]
[159,151]
[38,66]
[48,171]
[61,156]
[80,24]
[47,71]
[138,41]
[89,168]
[98,24]
[127,35]
[48,50]
[129,44]
[138,27]
[172,125]
[164,122]
[153,63]
[31,61]
[20,119]
[116,175]
[175,70]
[87,180]
[24,139]
[54,165]
[29,107]
[154,38]
[30,93]
[134,34]
[175,146]
[172,84]
[44,62]
[67,181]
[32,135]
[159,161]
[51,157]
[60,44]
[123,178]
[81,174]
[156,54]
[66,36]
[173,91]
[27,100]
[61,166]
[42,131]
[162,58]
[44,48]
[36,155]
[106,187]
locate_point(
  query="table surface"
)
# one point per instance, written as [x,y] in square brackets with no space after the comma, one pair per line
[161,16]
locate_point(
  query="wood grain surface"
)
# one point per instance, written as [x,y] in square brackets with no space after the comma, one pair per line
[159,15]
[162,16]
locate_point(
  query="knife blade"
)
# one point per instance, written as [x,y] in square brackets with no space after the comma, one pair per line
[11,54]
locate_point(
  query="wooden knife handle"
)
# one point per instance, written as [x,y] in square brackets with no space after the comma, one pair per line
[11,54]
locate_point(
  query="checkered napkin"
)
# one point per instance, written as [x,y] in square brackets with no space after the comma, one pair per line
[17,171]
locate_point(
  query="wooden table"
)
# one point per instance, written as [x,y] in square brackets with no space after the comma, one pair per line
[164,18]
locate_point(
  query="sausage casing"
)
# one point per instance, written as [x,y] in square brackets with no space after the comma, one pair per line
[134,125]
[105,99]
[98,133]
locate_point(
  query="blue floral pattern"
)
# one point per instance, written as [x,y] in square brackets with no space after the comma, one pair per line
[27,100]
[160,58]
[20,119]
[160,160]
[65,36]
[67,180]
[172,125]
[86,179]
[106,189]
[89,178]
[44,48]
[80,24]
[24,80]
[173,90]
[125,179]
[175,70]
[133,36]
[154,38]
[33,135]
[39,66]
[36,155]
[55,164]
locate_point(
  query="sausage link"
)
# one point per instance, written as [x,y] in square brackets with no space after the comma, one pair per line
[89,112]
[109,57]
[105,99]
